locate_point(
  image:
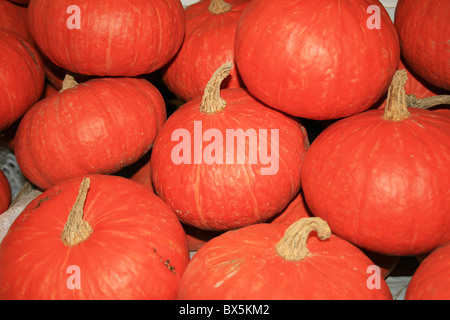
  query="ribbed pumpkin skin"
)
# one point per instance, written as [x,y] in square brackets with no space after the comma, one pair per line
[137,250]
[123,38]
[431,279]
[229,195]
[316,59]
[208,43]
[422,28]
[23,77]
[244,265]
[383,185]
[99,126]
[5,193]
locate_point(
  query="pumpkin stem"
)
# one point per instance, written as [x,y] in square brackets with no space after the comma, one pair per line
[292,246]
[219,7]
[211,101]
[68,83]
[396,108]
[427,103]
[77,230]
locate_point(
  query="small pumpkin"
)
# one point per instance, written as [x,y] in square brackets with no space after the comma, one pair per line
[296,210]
[23,76]
[93,238]
[98,126]
[125,38]
[303,261]
[430,281]
[316,59]
[422,28]
[211,161]
[5,193]
[380,178]
[142,174]
[208,43]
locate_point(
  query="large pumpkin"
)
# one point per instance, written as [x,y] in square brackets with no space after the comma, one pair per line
[5,193]
[99,126]
[209,43]
[211,161]
[422,28]
[281,262]
[101,237]
[107,38]
[316,59]
[431,280]
[23,77]
[380,178]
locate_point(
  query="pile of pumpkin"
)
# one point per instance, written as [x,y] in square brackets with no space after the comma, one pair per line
[358,171]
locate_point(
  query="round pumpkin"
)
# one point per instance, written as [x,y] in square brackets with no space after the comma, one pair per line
[97,237]
[208,43]
[211,161]
[316,59]
[98,126]
[142,174]
[431,280]
[303,261]
[23,77]
[5,193]
[422,28]
[104,38]
[380,178]
[296,210]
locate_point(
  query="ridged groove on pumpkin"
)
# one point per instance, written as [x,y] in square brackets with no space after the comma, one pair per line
[77,230]
[292,245]
[219,7]
[396,108]
[68,83]
[212,102]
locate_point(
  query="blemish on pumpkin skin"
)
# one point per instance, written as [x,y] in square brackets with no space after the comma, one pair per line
[31,54]
[166,262]
[40,202]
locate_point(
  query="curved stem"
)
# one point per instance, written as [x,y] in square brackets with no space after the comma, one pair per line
[293,244]
[77,230]
[426,103]
[219,7]
[211,101]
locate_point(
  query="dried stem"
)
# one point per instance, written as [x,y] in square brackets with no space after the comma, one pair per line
[68,83]
[211,101]
[77,230]
[219,7]
[396,108]
[293,244]
[426,103]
